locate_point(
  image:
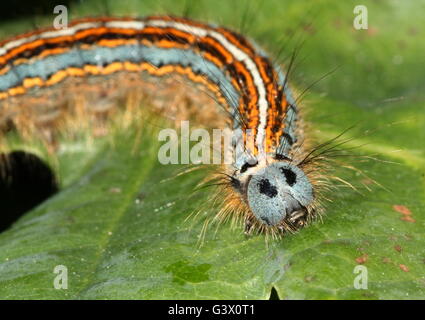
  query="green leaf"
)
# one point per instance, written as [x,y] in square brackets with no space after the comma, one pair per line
[120,224]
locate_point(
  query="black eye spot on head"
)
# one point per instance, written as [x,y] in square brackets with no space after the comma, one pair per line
[266,188]
[291,177]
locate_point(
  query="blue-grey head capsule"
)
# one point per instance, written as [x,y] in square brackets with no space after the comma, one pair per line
[277,191]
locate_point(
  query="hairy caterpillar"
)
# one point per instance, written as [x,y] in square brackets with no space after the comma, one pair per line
[273,184]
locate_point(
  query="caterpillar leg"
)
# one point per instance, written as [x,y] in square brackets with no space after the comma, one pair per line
[298,218]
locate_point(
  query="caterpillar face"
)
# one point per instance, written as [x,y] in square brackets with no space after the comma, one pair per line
[277,191]
[234,70]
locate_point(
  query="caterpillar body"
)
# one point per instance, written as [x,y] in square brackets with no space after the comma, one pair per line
[274,186]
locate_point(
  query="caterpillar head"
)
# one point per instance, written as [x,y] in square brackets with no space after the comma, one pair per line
[277,191]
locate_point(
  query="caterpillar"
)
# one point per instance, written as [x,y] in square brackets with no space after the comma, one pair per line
[274,184]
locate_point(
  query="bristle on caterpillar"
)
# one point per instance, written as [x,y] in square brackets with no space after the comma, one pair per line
[234,208]
[275,184]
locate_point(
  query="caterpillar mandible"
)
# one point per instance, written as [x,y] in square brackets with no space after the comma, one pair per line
[275,185]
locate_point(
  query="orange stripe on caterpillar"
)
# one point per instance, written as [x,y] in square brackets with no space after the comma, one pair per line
[272,186]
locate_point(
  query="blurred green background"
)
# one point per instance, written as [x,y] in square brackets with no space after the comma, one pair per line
[137,244]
